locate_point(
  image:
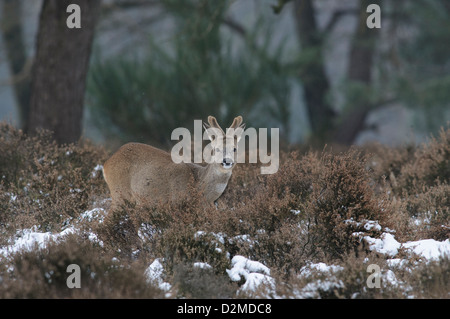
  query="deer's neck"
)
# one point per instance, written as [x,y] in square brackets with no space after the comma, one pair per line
[213,180]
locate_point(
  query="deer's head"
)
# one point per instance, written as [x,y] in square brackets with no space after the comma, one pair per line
[224,145]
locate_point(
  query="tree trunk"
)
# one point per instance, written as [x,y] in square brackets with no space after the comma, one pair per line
[60,69]
[313,76]
[359,71]
[11,27]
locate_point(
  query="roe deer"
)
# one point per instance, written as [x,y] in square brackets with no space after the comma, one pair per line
[143,174]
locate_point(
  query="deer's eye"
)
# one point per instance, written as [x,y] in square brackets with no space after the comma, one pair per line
[235,150]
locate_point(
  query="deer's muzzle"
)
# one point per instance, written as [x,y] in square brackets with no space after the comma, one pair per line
[227,163]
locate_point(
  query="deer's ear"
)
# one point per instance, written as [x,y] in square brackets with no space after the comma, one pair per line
[213,124]
[237,122]
[212,121]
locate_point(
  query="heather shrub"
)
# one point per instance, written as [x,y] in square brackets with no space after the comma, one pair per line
[311,208]
[342,202]
[118,232]
[42,273]
[185,244]
[431,280]
[45,184]
[198,281]
[430,165]
[178,234]
[346,280]
[417,184]
[431,211]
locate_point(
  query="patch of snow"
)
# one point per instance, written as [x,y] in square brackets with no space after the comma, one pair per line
[218,236]
[255,280]
[155,271]
[243,239]
[199,234]
[243,266]
[147,231]
[254,273]
[388,230]
[397,262]
[28,239]
[389,277]
[93,214]
[96,170]
[94,238]
[154,274]
[325,279]
[306,271]
[366,224]
[313,289]
[429,248]
[385,245]
[202,265]
[370,224]
[12,197]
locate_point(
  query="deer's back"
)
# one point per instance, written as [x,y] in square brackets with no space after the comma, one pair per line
[143,173]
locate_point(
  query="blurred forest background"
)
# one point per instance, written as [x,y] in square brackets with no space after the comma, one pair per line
[137,69]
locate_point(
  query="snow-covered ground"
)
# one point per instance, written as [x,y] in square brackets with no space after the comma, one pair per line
[428,249]
[253,275]
[31,238]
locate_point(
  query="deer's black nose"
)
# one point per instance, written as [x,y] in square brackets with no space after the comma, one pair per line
[227,162]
